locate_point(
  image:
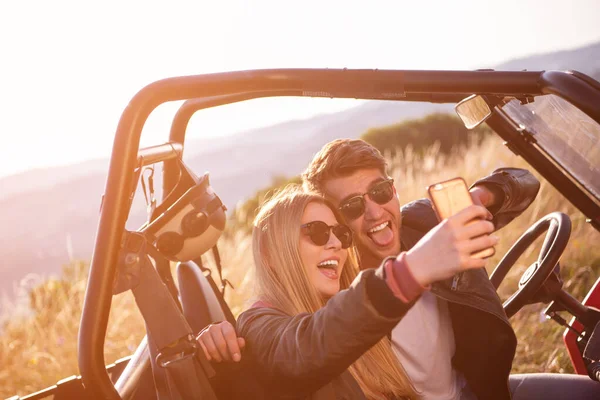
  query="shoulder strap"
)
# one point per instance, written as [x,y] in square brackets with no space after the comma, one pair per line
[179,355]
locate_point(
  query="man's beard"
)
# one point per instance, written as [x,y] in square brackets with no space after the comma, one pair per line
[367,258]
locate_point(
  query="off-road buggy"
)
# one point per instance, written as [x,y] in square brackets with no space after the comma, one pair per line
[549,118]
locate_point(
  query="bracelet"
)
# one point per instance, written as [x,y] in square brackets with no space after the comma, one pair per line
[400,279]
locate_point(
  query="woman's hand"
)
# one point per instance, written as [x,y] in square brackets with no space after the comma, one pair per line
[220,342]
[447,248]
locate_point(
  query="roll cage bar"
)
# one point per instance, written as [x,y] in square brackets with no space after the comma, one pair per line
[204,91]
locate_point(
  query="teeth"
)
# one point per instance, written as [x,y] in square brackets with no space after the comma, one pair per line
[378,227]
[327,263]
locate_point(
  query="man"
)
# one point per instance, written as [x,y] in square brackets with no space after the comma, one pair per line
[456,341]
[461,318]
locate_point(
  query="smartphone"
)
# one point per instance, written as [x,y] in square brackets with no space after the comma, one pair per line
[448,198]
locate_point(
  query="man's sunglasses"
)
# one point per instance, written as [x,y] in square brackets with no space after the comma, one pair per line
[319,231]
[380,193]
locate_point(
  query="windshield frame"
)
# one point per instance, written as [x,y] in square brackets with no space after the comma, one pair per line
[564,133]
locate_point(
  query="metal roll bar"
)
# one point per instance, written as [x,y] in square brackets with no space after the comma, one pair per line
[223,88]
[190,107]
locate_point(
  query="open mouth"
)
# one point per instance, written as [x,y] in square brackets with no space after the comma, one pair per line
[382,235]
[329,268]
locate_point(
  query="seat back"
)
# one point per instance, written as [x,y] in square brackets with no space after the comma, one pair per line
[201,305]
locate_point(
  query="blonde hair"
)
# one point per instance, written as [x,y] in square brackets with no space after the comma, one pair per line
[281,281]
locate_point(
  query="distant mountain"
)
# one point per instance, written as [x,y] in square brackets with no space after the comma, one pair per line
[51,215]
[584,59]
[39,178]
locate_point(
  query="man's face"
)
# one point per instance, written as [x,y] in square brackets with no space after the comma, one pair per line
[377,230]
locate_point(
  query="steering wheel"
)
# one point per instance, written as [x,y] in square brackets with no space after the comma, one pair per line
[558,230]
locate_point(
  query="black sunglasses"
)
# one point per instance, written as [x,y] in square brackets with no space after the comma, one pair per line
[319,231]
[380,193]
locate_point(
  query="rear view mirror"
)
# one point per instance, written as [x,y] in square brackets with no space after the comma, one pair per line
[473,111]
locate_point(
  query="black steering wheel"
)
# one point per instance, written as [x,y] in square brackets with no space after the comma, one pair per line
[558,230]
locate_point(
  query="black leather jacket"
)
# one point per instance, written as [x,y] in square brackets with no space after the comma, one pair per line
[485,340]
[307,355]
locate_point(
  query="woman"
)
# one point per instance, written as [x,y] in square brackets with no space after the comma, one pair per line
[306,338]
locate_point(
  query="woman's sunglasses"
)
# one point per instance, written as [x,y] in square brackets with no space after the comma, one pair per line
[380,193]
[319,231]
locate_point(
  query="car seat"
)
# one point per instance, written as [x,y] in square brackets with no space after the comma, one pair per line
[201,306]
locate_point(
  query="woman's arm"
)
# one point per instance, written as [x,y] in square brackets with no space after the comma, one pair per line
[299,354]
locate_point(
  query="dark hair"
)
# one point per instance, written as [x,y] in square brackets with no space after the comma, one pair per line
[339,158]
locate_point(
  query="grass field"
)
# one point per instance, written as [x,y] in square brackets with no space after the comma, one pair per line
[39,347]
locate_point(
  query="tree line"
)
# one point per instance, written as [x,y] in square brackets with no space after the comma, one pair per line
[446,131]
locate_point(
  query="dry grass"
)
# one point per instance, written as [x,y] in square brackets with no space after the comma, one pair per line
[38,349]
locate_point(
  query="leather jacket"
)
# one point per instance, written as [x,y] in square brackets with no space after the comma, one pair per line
[485,340]
[306,356]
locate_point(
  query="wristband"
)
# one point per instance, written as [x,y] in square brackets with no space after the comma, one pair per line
[400,279]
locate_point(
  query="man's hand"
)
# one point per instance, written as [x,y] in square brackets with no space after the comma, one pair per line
[220,342]
[447,248]
[482,196]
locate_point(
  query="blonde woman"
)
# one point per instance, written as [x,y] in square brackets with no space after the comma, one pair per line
[320,329]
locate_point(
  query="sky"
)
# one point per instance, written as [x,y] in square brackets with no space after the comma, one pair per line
[69,68]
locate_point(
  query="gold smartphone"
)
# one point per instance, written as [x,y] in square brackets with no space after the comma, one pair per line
[448,198]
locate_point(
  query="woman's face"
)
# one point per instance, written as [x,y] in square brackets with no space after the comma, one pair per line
[323,263]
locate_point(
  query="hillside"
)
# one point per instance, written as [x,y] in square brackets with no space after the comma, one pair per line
[51,215]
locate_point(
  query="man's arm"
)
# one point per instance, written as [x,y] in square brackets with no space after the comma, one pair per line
[506,193]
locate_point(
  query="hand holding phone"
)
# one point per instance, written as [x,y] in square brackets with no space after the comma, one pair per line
[451,196]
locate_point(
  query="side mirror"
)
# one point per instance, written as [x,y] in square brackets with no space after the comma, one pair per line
[473,111]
